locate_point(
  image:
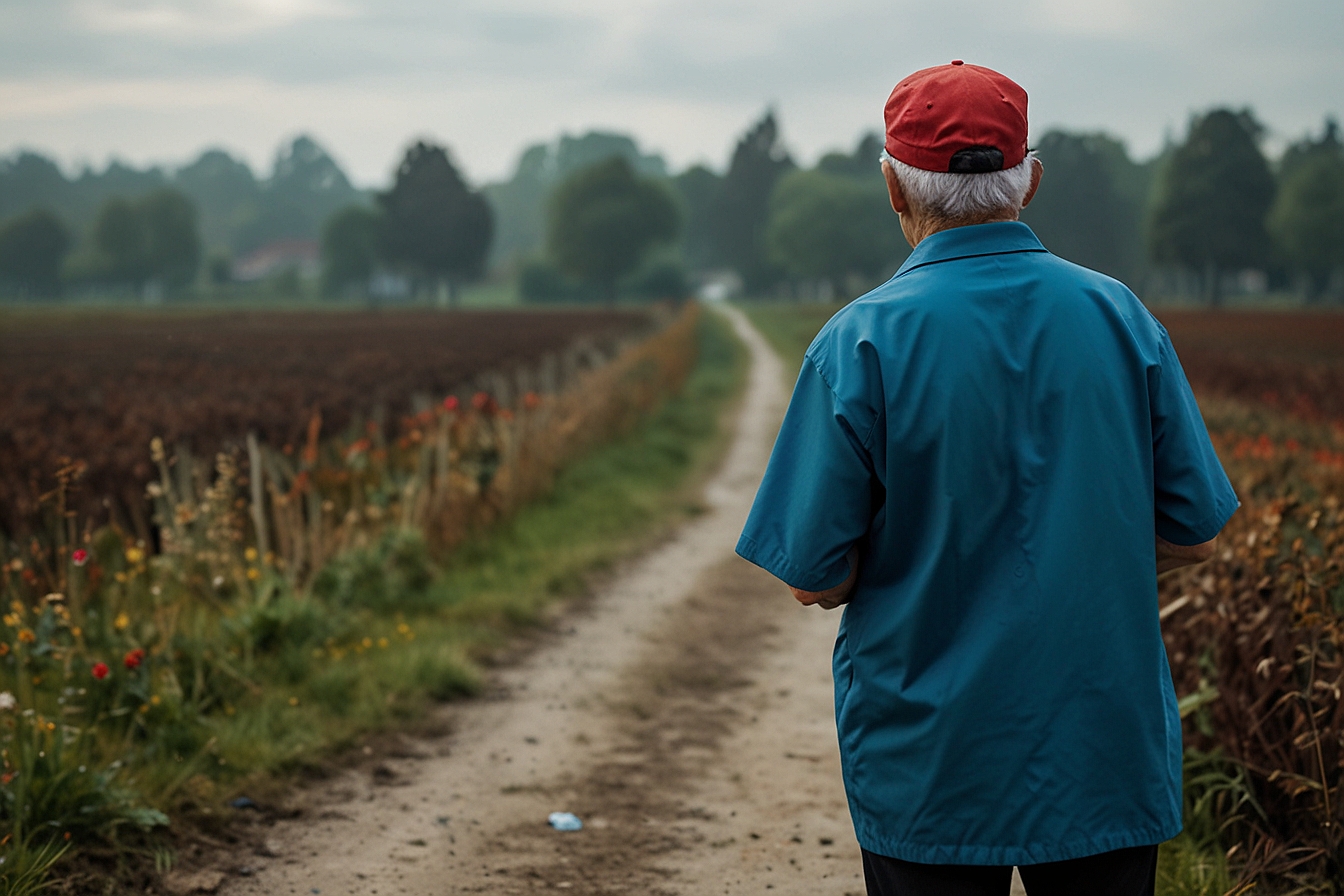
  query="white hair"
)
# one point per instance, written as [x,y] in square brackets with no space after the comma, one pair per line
[956,196]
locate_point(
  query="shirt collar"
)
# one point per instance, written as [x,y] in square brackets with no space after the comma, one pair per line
[997,238]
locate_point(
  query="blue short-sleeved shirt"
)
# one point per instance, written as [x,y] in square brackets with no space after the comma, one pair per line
[1002,433]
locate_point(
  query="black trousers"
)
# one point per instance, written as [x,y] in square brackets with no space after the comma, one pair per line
[1124,872]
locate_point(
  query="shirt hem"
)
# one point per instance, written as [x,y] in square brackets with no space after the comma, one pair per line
[1032,854]
[779,566]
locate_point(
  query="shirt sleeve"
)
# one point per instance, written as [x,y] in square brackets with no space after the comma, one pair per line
[1193,496]
[815,499]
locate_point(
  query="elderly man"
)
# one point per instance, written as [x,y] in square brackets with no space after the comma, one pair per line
[990,458]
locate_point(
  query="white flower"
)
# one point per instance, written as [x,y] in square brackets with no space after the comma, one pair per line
[7,701]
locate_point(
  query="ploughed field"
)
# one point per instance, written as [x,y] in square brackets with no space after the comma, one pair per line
[96,388]
[1292,362]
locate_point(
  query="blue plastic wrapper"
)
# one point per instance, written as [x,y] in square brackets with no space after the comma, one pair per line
[564,821]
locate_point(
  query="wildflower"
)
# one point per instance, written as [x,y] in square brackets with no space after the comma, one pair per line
[155,700]
[134,555]
[403,628]
[79,557]
[382,642]
[367,643]
[531,401]
[100,671]
[250,555]
[15,565]
[7,701]
[4,648]
[11,620]
[144,708]
[134,658]
[26,636]
[76,631]
[450,403]
[253,573]
[293,701]
[217,581]
[121,621]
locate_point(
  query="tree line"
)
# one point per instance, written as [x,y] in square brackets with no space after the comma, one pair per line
[593,217]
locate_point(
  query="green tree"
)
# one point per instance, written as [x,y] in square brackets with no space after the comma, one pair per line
[831,226]
[1212,197]
[1307,218]
[349,249]
[742,211]
[32,247]
[172,237]
[153,239]
[698,189]
[433,223]
[519,203]
[226,194]
[1089,208]
[861,164]
[120,241]
[604,219]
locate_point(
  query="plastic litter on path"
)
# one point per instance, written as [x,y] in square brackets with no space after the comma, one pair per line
[564,821]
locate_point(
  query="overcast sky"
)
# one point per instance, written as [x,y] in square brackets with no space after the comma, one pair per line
[158,80]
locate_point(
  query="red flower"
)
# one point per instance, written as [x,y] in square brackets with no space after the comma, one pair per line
[100,671]
[134,658]
[450,403]
[531,401]
[482,402]
[79,557]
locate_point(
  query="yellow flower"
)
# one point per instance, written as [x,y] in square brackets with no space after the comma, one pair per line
[403,629]
[121,621]
[51,726]
[293,701]
[382,642]
[144,707]
[11,620]
[134,555]
[155,700]
[76,631]
[26,636]
[253,573]
[367,642]
[251,555]
[120,577]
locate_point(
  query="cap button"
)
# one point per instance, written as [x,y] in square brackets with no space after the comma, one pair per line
[957,62]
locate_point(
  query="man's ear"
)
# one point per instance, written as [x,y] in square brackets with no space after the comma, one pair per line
[1037,169]
[894,192]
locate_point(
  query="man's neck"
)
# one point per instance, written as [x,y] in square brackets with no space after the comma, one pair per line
[917,228]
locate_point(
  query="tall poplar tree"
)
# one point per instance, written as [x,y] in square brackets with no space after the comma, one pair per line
[1212,198]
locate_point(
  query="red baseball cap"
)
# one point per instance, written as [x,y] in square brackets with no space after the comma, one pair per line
[957,117]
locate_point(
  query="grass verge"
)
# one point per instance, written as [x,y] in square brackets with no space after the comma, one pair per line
[603,507]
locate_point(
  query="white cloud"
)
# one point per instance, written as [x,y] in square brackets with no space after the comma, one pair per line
[216,19]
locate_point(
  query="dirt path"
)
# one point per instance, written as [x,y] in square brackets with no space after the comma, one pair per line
[685,716]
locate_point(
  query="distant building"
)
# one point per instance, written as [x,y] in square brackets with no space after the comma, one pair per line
[303,256]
